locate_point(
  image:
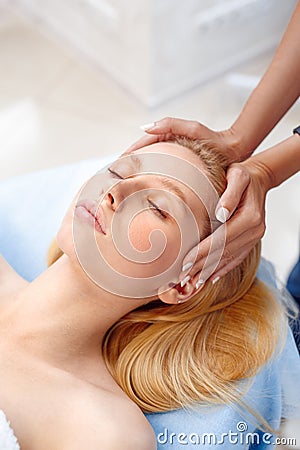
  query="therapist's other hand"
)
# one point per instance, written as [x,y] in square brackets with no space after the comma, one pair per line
[244,203]
[165,129]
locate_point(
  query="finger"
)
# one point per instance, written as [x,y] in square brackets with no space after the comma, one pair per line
[234,250]
[178,127]
[197,282]
[225,269]
[237,182]
[224,253]
[211,246]
[213,272]
[241,229]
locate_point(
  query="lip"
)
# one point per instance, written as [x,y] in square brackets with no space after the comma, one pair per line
[90,211]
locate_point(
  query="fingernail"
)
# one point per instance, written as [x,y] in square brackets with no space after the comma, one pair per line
[214,281]
[222,214]
[199,282]
[185,280]
[147,126]
[187,266]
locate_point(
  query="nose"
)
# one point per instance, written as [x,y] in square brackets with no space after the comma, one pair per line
[117,193]
[113,199]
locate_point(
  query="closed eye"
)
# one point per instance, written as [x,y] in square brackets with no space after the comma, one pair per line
[114,174]
[157,210]
[153,206]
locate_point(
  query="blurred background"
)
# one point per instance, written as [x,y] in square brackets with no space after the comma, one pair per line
[78,78]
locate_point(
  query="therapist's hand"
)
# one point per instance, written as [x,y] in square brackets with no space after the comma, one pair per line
[244,200]
[165,129]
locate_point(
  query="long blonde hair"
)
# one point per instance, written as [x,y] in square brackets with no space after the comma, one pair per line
[170,356]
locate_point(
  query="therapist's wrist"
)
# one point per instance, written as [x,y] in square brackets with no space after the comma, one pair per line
[237,147]
[246,136]
[261,173]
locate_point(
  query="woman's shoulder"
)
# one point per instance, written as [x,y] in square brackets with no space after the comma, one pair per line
[9,279]
[108,421]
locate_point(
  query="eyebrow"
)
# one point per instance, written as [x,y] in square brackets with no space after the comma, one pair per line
[169,184]
[133,161]
[166,182]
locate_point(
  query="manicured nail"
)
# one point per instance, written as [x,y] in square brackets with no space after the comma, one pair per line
[187,266]
[199,282]
[215,280]
[222,214]
[147,126]
[185,280]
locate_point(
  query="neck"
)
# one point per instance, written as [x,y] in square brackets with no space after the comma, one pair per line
[63,315]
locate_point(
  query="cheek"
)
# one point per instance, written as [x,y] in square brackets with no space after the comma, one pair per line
[139,232]
[146,231]
[157,243]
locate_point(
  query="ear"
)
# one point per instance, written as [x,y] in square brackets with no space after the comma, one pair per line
[177,294]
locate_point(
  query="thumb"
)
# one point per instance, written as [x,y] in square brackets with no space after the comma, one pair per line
[178,127]
[237,182]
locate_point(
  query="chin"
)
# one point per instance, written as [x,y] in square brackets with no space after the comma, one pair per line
[64,236]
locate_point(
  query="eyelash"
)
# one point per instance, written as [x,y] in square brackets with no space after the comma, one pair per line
[114,174]
[156,210]
[153,206]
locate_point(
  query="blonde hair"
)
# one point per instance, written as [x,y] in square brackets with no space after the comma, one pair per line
[170,356]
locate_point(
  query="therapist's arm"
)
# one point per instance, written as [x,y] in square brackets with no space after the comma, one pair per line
[281,161]
[278,89]
[276,92]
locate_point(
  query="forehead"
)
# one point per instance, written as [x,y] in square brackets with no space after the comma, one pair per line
[175,151]
[165,159]
[177,163]
[169,160]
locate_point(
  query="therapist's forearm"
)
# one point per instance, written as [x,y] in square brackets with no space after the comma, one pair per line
[275,94]
[280,162]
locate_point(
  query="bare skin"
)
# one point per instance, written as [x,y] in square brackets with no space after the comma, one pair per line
[70,406]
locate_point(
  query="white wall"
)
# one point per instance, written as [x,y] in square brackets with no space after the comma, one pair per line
[158,49]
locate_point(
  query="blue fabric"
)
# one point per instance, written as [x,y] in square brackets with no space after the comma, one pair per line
[293,283]
[293,286]
[31,208]
[272,394]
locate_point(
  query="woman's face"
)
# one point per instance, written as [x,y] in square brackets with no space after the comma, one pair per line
[131,225]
